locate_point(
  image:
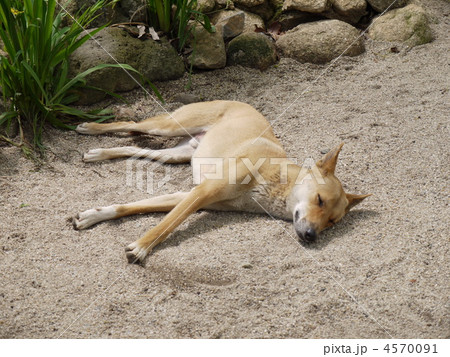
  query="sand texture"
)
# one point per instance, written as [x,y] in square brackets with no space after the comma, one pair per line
[382,272]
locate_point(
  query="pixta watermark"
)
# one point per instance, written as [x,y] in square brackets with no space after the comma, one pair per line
[149,176]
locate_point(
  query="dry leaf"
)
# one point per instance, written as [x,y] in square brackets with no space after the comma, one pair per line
[141,29]
[153,34]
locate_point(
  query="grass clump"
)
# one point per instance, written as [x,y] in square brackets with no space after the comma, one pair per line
[34,67]
[172,17]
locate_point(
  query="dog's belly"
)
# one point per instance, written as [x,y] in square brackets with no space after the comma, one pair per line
[256,201]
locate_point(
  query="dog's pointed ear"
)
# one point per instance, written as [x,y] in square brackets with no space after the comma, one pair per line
[353,200]
[327,164]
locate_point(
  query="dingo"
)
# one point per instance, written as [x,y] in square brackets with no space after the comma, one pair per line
[256,176]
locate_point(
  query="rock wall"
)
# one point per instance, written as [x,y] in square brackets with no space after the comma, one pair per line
[315,31]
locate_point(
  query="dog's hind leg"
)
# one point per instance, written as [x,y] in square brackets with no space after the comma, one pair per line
[143,127]
[163,203]
[181,153]
[188,120]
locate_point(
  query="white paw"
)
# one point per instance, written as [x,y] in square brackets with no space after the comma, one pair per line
[93,155]
[135,253]
[86,128]
[90,217]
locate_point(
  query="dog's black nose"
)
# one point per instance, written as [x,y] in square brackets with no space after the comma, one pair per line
[310,235]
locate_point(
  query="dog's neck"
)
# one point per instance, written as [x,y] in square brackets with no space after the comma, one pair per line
[280,195]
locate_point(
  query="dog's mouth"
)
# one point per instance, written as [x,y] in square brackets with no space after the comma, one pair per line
[305,231]
[308,237]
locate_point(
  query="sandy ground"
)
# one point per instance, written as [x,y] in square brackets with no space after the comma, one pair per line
[382,272]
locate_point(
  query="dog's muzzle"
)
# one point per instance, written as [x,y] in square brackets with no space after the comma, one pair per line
[305,232]
[309,236]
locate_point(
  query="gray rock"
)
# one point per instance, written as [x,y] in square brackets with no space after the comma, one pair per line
[381,5]
[321,42]
[205,6]
[157,61]
[108,14]
[347,10]
[233,24]
[264,10]
[254,50]
[408,24]
[291,19]
[250,20]
[209,49]
[314,6]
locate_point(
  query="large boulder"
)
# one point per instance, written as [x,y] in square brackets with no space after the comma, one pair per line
[408,24]
[254,50]
[250,20]
[321,42]
[381,5]
[265,10]
[231,22]
[156,61]
[209,49]
[314,6]
[347,10]
[108,14]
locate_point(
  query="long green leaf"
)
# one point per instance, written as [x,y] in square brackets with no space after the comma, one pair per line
[36,79]
[84,74]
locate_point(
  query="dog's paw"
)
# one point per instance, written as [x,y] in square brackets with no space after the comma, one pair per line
[93,155]
[86,128]
[135,253]
[90,217]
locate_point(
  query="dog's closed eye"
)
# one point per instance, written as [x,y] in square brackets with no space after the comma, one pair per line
[320,201]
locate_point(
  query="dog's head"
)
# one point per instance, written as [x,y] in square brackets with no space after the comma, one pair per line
[321,202]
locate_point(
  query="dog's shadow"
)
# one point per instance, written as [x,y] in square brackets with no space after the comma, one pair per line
[352,219]
[216,220]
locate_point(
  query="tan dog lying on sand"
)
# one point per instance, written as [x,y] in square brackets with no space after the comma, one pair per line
[239,165]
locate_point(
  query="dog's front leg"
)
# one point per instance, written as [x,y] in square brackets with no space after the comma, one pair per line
[163,203]
[201,196]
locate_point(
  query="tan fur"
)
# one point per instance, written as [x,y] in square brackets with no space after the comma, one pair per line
[253,177]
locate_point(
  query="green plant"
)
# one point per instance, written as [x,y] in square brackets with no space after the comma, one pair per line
[172,17]
[34,67]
